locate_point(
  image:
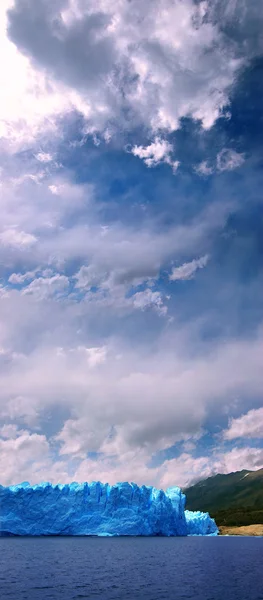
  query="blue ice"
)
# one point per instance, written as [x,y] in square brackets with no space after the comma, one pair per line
[98,509]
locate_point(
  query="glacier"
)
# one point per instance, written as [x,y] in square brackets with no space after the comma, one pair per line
[97,509]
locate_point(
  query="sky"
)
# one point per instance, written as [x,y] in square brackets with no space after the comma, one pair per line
[131,275]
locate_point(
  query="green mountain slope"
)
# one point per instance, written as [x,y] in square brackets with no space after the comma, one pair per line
[233,499]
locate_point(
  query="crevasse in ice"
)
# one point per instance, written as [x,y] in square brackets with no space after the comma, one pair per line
[98,509]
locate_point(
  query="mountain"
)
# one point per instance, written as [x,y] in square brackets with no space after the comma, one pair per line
[232,499]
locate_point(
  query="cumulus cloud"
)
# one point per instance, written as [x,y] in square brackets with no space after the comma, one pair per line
[77,435]
[102,388]
[189,469]
[124,66]
[46,287]
[149,298]
[74,357]
[249,425]
[86,365]
[184,470]
[26,456]
[89,276]
[157,152]
[240,458]
[29,104]
[187,270]
[106,262]
[20,278]
[18,449]
[19,452]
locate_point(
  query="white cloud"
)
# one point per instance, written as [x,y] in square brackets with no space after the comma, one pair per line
[96,356]
[240,458]
[9,431]
[111,260]
[20,278]
[46,287]
[55,189]
[204,169]
[228,160]
[125,403]
[249,425]
[26,456]
[186,470]
[29,103]
[71,192]
[20,408]
[148,298]
[118,57]
[17,454]
[183,471]
[88,277]
[187,270]
[157,152]
[125,387]
[122,257]
[151,398]
[17,239]
[44,157]
[79,435]
[118,397]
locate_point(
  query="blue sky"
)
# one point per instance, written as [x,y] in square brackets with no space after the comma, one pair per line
[130,240]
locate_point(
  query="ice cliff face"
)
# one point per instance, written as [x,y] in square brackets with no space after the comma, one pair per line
[199,523]
[98,509]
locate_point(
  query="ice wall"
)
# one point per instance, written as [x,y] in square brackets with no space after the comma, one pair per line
[199,523]
[97,509]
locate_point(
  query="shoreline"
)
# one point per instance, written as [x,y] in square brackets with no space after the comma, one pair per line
[244,530]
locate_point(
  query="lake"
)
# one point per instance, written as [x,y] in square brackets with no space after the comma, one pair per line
[199,568]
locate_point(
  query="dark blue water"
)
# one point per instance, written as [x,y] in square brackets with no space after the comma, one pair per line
[126,568]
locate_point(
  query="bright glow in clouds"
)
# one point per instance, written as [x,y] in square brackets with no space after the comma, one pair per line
[25,100]
[130,258]
[116,58]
